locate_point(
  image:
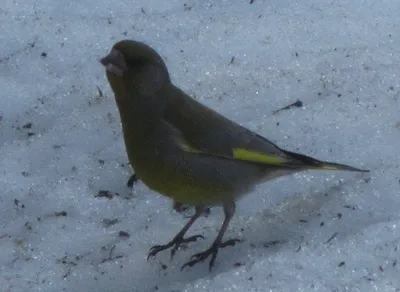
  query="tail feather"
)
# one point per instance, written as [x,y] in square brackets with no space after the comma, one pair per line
[312,163]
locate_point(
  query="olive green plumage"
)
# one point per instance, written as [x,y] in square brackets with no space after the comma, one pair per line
[186,151]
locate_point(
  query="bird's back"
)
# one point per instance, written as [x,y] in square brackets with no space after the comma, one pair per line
[211,131]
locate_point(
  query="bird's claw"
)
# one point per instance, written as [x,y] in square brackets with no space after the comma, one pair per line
[229,242]
[212,251]
[176,243]
[185,240]
[155,250]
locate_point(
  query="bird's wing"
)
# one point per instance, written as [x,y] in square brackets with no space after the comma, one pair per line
[289,160]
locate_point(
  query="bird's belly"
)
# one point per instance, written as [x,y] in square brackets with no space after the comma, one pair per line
[184,190]
[184,184]
[187,193]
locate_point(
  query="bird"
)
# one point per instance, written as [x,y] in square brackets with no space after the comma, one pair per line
[188,152]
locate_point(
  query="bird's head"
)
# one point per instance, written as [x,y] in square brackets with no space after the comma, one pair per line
[135,67]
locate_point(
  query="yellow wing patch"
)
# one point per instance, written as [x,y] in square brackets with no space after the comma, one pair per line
[244,154]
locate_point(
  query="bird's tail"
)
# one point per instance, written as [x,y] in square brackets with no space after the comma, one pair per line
[307,162]
[289,161]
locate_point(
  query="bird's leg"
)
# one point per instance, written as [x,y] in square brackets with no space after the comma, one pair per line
[229,210]
[182,208]
[176,242]
[179,207]
[132,180]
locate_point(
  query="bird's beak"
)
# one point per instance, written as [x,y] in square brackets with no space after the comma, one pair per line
[114,62]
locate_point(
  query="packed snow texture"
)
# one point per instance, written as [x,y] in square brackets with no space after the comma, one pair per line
[61,143]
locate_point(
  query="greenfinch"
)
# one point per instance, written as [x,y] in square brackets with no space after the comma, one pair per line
[186,151]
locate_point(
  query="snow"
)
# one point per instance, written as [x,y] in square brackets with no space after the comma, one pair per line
[61,144]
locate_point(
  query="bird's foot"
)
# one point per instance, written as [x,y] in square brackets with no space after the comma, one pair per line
[212,251]
[132,180]
[176,243]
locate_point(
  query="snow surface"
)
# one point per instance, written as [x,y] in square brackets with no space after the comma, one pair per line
[61,144]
